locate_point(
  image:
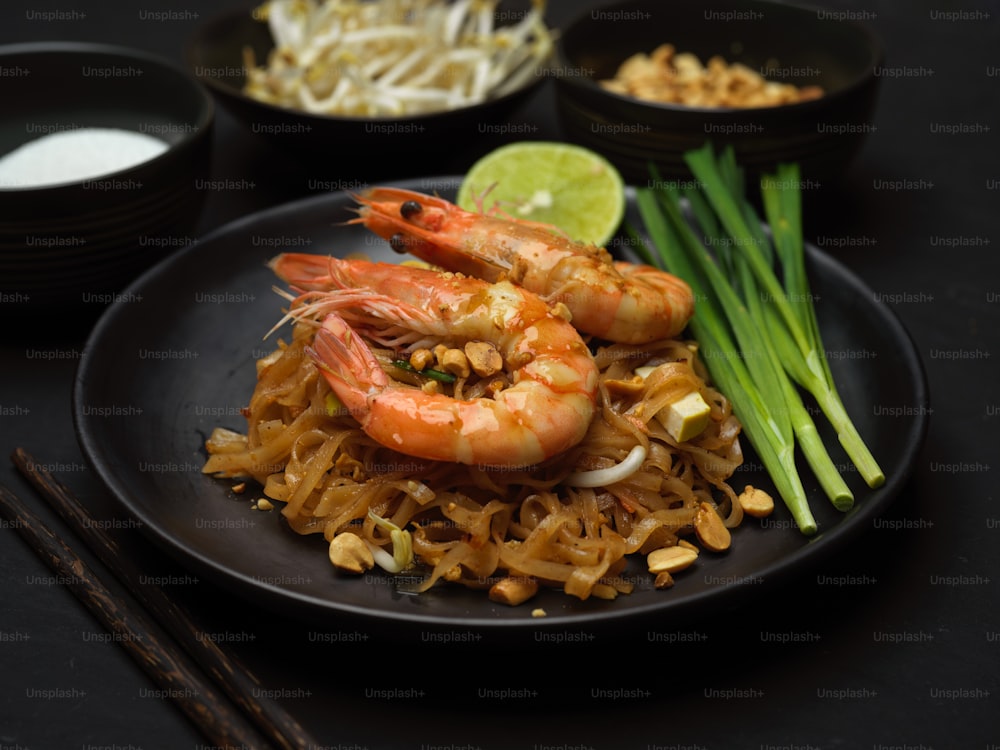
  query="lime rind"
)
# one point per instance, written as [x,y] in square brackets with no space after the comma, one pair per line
[569,187]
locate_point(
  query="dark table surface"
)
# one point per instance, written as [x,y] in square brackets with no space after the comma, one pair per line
[903,652]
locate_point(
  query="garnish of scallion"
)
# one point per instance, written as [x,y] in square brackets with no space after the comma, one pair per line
[441,377]
[754,317]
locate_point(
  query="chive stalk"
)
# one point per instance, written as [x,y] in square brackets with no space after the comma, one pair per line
[679,249]
[427,372]
[777,347]
[792,301]
[783,209]
[758,331]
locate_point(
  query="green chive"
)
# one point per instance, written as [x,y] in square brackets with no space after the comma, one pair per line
[782,203]
[442,377]
[754,316]
[726,364]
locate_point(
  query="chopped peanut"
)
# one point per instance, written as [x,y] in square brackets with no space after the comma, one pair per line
[513,591]
[670,559]
[455,362]
[663,580]
[484,358]
[604,591]
[685,543]
[755,502]
[710,529]
[421,358]
[348,552]
[666,76]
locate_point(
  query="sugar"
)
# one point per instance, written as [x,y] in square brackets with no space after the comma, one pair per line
[76,155]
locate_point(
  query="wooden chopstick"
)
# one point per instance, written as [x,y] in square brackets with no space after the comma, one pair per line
[234,679]
[199,700]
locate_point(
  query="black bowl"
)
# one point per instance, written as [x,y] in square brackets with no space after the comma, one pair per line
[76,244]
[788,43]
[344,145]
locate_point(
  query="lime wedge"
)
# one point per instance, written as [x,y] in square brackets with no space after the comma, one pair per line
[566,186]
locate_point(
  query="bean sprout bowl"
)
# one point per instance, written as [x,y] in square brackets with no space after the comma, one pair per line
[71,239]
[342,80]
[784,43]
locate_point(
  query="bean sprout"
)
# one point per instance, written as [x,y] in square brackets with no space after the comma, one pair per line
[394,58]
[617,473]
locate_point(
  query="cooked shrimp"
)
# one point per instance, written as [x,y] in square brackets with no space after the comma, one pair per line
[547,408]
[615,301]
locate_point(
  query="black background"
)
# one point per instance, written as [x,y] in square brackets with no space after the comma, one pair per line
[904,654]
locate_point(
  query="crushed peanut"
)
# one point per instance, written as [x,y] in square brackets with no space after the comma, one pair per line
[663,580]
[513,591]
[421,359]
[604,591]
[484,358]
[348,552]
[670,559]
[455,362]
[710,529]
[668,77]
[755,502]
[687,544]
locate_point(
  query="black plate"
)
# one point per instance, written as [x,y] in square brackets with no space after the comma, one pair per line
[174,358]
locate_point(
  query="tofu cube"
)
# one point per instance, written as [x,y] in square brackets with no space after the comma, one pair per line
[686,418]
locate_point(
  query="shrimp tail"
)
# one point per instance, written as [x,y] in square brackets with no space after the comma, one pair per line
[306,271]
[347,364]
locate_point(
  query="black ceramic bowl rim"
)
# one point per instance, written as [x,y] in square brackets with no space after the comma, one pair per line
[195,42]
[587,83]
[200,129]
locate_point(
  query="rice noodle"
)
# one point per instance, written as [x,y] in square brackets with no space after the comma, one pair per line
[570,522]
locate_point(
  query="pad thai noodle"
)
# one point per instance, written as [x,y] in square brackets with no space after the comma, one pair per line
[475,430]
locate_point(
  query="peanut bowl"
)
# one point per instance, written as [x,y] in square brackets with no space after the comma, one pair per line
[804,47]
